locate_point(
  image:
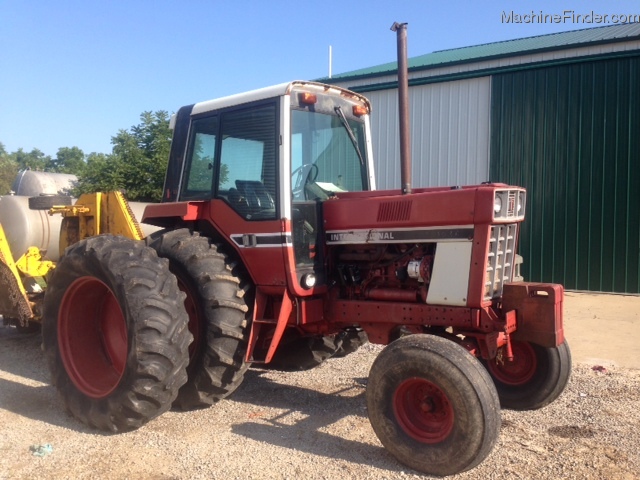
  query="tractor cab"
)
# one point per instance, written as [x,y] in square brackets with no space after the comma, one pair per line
[258,166]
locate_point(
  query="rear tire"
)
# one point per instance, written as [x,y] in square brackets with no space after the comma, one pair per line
[115,333]
[433,405]
[303,353]
[352,340]
[218,310]
[535,378]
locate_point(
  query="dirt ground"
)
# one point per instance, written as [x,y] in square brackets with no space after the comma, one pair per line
[314,424]
[602,329]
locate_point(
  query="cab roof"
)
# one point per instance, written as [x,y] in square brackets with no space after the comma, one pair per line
[274,91]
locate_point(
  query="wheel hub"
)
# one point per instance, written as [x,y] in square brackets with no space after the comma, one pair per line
[92,336]
[520,370]
[423,410]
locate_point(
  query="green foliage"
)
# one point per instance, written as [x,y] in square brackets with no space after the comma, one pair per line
[68,160]
[34,160]
[137,164]
[102,173]
[8,171]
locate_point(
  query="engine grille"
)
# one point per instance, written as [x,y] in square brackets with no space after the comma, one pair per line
[500,259]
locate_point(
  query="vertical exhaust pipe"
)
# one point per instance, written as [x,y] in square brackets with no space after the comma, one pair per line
[403,107]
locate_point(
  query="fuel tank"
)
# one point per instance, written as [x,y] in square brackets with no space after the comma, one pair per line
[26,228]
[31,184]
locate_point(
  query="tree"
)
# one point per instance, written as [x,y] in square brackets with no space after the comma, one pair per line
[34,160]
[8,171]
[102,173]
[137,164]
[68,160]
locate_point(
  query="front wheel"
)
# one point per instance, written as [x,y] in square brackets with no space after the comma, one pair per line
[534,378]
[115,333]
[433,405]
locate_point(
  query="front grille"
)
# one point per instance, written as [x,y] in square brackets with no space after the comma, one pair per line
[500,259]
[509,204]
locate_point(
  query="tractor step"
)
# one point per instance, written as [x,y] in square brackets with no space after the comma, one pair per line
[280,324]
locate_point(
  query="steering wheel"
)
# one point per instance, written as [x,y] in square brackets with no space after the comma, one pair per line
[301,176]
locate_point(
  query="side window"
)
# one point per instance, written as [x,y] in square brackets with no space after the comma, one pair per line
[248,162]
[199,168]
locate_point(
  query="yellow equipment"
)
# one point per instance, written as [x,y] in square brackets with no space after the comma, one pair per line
[96,213]
[23,281]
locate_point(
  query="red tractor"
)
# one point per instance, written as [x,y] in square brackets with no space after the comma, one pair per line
[276,249]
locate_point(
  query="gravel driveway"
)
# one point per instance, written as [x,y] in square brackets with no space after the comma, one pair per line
[304,425]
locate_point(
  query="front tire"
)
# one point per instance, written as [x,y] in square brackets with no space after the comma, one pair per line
[219,315]
[535,378]
[115,333]
[433,405]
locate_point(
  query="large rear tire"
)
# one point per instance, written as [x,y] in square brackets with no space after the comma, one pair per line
[433,405]
[218,306]
[535,378]
[115,333]
[296,353]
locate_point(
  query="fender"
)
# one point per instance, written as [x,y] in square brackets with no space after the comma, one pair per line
[538,308]
[166,215]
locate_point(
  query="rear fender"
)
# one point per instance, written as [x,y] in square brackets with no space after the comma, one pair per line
[167,215]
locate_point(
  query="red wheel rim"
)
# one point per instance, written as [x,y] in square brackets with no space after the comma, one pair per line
[423,410]
[92,337]
[520,370]
[195,326]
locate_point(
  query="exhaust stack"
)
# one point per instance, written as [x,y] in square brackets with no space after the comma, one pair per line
[403,107]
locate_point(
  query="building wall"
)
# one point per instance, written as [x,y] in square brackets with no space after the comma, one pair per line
[517,61]
[567,129]
[571,135]
[449,131]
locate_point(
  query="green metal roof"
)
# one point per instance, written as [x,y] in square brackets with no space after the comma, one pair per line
[509,48]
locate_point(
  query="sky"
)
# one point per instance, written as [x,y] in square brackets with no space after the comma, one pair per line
[74,73]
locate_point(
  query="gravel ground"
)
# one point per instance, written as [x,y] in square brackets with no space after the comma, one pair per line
[304,425]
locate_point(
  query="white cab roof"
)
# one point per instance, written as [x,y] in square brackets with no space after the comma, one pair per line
[270,92]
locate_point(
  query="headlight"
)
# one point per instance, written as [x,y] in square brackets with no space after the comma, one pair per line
[308,280]
[497,204]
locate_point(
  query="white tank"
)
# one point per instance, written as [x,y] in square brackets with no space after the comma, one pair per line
[26,228]
[138,210]
[32,184]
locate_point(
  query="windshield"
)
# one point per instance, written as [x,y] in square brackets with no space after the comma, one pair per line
[324,160]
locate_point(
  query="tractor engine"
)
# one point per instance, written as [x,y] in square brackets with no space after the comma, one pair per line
[385,272]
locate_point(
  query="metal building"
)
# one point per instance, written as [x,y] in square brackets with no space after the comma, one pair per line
[558,114]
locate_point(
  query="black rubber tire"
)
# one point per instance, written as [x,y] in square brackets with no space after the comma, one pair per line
[303,353]
[417,372]
[45,202]
[220,296]
[547,382]
[352,340]
[154,340]
[31,327]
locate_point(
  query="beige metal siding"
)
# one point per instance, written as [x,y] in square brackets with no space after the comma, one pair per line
[449,132]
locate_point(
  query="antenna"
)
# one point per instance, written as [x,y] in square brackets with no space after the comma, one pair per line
[330,60]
